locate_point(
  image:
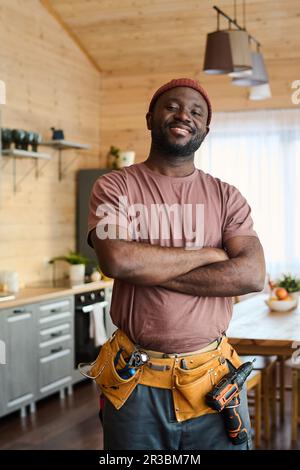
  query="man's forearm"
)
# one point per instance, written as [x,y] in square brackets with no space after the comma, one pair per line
[146,264]
[236,276]
[216,280]
[149,265]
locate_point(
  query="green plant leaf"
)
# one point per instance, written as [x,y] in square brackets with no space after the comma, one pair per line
[72,258]
[289,282]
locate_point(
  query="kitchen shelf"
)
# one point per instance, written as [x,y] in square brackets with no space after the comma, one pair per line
[64,145]
[19,153]
[25,153]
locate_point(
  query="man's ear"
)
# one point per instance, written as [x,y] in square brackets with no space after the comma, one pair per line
[149,120]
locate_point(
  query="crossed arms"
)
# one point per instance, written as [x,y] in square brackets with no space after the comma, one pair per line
[209,272]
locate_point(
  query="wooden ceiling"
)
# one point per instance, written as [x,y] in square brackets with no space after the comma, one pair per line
[140,37]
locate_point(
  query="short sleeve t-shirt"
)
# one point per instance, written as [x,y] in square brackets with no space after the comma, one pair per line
[192,211]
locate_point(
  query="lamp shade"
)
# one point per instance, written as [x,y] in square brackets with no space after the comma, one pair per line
[260,92]
[259,74]
[240,50]
[218,57]
[244,73]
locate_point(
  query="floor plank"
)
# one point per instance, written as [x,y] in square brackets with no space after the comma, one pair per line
[73,424]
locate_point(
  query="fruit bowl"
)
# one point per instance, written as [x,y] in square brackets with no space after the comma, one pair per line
[281,305]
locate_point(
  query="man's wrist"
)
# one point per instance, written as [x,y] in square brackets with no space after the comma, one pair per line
[209,255]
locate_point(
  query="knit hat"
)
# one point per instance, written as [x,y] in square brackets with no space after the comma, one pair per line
[188,82]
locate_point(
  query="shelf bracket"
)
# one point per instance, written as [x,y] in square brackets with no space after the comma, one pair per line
[15,182]
[61,170]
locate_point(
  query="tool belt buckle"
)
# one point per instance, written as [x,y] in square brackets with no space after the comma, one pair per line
[138,358]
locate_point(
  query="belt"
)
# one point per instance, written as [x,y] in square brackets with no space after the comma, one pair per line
[162,355]
[189,380]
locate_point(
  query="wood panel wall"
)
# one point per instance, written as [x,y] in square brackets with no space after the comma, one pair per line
[49,82]
[138,45]
[126,99]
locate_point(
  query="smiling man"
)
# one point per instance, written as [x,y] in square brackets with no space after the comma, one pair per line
[179,244]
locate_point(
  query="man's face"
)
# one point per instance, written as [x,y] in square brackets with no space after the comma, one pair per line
[178,121]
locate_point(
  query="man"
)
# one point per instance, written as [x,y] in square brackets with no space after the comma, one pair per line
[179,244]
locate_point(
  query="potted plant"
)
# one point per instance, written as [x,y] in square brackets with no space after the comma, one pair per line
[113,157]
[290,283]
[77,264]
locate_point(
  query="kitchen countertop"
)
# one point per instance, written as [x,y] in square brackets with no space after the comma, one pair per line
[29,295]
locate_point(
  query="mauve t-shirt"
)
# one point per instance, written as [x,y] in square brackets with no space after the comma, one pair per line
[155,208]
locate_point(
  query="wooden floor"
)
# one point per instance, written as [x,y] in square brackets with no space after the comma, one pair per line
[73,423]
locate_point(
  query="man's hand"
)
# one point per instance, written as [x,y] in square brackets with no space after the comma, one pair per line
[242,273]
[216,255]
[142,263]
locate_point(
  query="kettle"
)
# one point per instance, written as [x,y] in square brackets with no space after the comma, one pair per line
[57,134]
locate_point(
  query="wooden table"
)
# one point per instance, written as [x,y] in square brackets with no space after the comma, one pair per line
[253,323]
[254,329]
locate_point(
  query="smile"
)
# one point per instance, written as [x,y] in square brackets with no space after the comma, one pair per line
[179,131]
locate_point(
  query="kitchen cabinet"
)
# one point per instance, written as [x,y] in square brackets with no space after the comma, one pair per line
[56,346]
[40,352]
[39,343]
[2,365]
[19,327]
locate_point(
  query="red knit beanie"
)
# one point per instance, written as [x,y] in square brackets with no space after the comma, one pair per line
[188,82]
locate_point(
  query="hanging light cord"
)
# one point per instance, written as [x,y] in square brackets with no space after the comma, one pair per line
[220,12]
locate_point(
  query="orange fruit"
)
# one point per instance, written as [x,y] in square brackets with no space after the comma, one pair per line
[281,293]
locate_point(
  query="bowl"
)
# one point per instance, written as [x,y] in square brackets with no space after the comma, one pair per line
[281,305]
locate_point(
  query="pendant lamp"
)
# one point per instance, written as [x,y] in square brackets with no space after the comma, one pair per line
[260,92]
[240,50]
[218,57]
[259,74]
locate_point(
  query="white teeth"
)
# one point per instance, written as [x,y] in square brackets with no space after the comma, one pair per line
[181,131]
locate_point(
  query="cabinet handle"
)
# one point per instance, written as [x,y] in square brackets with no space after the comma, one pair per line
[20,310]
[55,350]
[55,335]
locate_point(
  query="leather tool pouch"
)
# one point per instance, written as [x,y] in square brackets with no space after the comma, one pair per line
[191,387]
[104,372]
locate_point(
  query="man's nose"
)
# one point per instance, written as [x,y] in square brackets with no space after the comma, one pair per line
[182,114]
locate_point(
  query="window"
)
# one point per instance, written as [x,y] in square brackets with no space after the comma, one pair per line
[259,153]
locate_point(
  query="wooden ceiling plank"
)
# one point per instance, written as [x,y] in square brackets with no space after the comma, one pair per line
[47,4]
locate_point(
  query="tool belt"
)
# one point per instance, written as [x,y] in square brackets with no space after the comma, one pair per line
[189,386]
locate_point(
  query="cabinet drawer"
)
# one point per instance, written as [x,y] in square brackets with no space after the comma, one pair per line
[55,307]
[53,332]
[54,368]
[54,318]
[60,344]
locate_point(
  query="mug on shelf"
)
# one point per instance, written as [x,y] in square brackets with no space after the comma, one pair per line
[125,158]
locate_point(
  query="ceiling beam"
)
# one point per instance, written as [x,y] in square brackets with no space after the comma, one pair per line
[53,12]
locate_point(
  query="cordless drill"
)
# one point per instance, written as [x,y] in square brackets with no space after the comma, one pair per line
[225,398]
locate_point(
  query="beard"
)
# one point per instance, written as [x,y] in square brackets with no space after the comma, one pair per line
[162,143]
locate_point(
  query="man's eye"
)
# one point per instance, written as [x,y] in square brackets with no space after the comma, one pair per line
[197,113]
[171,107]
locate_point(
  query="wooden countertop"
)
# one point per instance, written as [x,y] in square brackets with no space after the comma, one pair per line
[30,295]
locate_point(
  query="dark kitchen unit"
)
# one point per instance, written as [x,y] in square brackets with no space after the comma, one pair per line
[85,349]
[85,182]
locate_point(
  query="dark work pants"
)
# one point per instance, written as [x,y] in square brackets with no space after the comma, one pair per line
[147,422]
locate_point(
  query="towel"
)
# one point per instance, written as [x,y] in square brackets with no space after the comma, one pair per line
[97,327]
